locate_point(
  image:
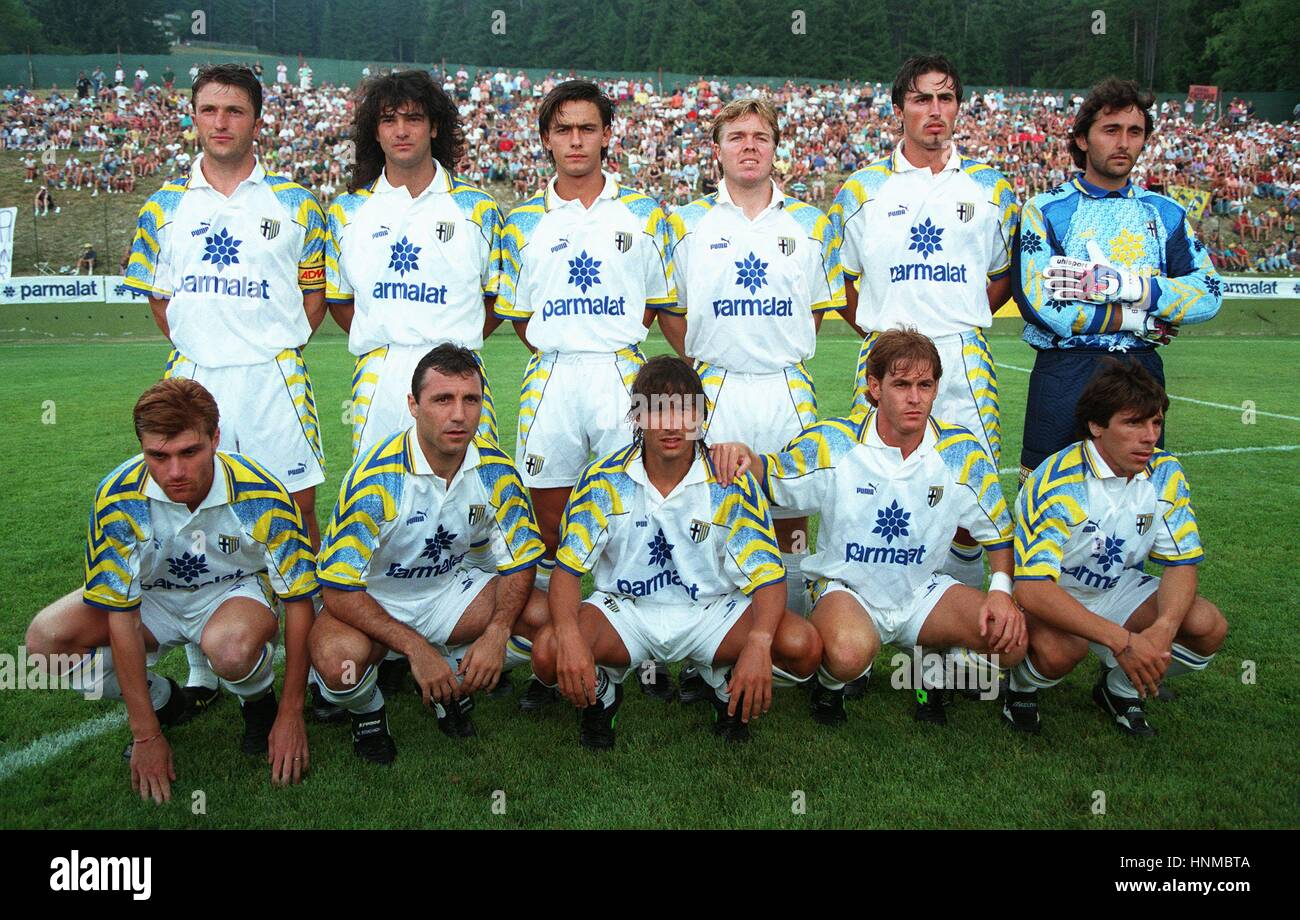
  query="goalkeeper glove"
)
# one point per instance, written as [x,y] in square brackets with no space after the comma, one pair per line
[1093,279]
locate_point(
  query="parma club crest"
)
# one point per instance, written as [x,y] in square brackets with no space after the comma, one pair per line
[229,543]
[965,211]
[444,230]
[1144,523]
[270,228]
[533,464]
[476,514]
[786,245]
[622,240]
[699,531]
[934,496]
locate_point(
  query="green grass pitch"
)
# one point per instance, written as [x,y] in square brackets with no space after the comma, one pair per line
[1226,754]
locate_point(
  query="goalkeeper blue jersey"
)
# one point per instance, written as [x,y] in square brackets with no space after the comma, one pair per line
[1136,229]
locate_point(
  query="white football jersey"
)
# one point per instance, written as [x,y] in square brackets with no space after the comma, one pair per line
[886,521]
[233,270]
[1081,525]
[921,246]
[139,540]
[749,288]
[701,541]
[399,530]
[582,278]
[416,269]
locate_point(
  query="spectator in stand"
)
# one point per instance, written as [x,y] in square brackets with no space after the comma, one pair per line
[86,261]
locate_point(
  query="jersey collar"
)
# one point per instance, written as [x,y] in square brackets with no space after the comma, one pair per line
[198,180]
[871,437]
[700,471]
[1096,191]
[218,494]
[1098,467]
[899,163]
[441,183]
[420,466]
[778,197]
[555,202]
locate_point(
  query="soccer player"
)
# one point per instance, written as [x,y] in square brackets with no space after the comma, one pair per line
[398,564]
[1101,266]
[1087,520]
[187,543]
[232,259]
[685,567]
[892,485]
[584,269]
[927,243]
[411,250]
[755,271]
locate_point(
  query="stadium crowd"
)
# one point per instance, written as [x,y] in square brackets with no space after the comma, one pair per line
[107,134]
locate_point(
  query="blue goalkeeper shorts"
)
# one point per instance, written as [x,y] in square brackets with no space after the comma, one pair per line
[1057,381]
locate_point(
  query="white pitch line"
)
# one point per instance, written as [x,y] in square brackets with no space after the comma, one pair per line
[44,749]
[1212,452]
[1198,402]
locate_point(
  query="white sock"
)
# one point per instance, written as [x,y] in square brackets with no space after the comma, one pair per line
[829,680]
[201,673]
[1185,661]
[606,685]
[796,598]
[255,684]
[966,565]
[1025,678]
[544,569]
[518,651]
[362,699]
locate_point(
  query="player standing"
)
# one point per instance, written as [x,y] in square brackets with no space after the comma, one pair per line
[755,271]
[232,259]
[1102,266]
[892,485]
[927,238]
[1088,519]
[685,568]
[187,543]
[396,562]
[411,252]
[584,269]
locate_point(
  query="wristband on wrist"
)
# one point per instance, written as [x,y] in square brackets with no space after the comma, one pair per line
[146,740]
[1000,581]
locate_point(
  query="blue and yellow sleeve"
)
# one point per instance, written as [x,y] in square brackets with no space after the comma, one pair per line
[1051,504]
[584,529]
[368,500]
[753,556]
[1178,540]
[119,522]
[517,535]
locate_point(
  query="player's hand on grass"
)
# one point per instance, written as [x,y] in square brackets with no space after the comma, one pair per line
[731,460]
[1002,624]
[152,770]
[287,749]
[480,669]
[433,676]
[575,668]
[1144,662]
[750,686]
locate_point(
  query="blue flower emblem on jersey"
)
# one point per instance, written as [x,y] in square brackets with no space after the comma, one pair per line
[1030,242]
[661,551]
[583,271]
[221,249]
[441,541]
[402,259]
[188,567]
[925,238]
[1214,287]
[752,273]
[1110,553]
[891,522]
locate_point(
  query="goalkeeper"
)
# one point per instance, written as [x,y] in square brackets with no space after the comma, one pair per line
[1101,265]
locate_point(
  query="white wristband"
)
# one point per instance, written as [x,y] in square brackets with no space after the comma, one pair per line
[1000,581]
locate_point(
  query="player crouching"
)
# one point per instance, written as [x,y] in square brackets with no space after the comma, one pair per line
[1088,519]
[189,544]
[685,568]
[892,487]
[430,552]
